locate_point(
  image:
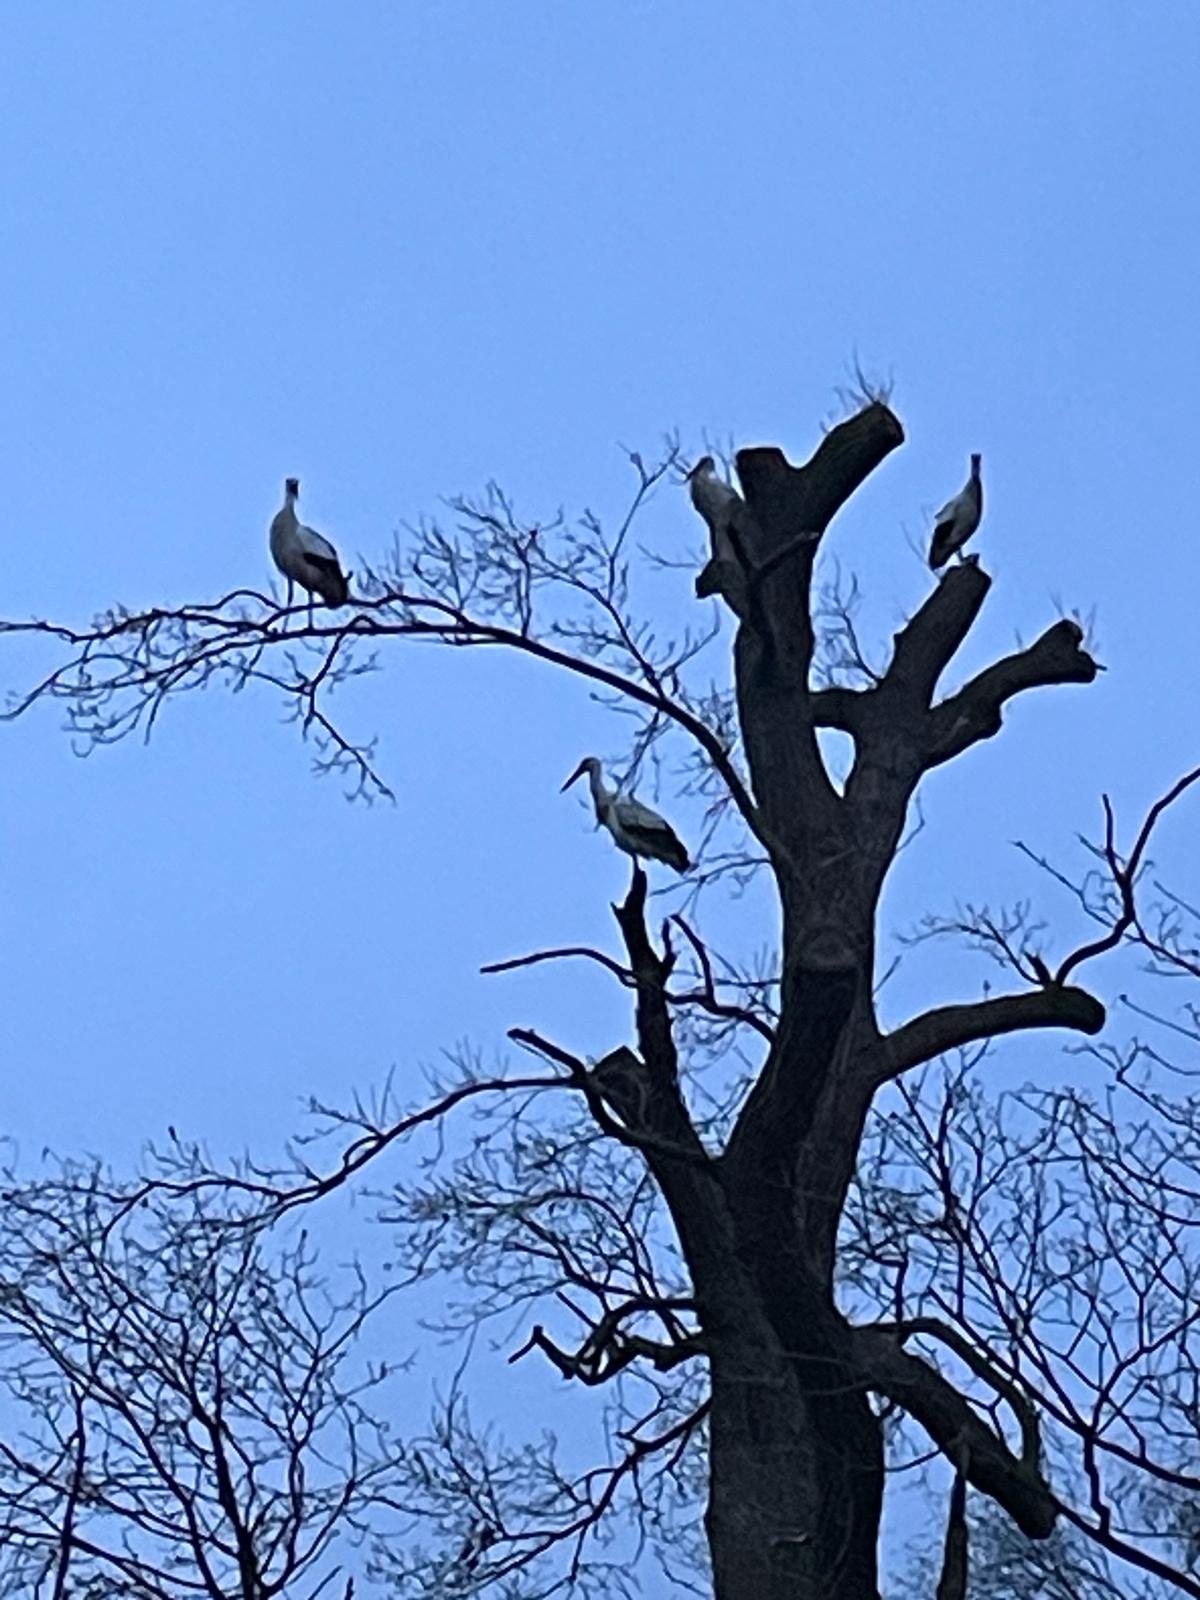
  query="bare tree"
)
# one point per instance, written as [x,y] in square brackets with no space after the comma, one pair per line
[791,1248]
[186,1411]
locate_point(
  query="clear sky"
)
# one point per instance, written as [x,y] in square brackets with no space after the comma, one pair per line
[400,249]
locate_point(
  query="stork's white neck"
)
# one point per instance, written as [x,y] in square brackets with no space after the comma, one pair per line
[601,794]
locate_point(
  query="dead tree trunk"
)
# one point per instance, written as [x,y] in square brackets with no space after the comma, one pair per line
[796,1477]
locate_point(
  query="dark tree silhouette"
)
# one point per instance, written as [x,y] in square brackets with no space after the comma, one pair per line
[796,1249]
[186,1412]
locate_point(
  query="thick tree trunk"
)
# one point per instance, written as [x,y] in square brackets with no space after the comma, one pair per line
[797,1453]
[796,1465]
[796,1484]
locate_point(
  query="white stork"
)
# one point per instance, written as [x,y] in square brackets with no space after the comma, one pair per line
[718,503]
[637,830]
[958,519]
[304,556]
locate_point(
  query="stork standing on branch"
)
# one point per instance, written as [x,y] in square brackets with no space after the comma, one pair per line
[637,830]
[304,556]
[958,519]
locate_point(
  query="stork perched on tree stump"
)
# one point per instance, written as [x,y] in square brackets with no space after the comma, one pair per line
[718,503]
[958,519]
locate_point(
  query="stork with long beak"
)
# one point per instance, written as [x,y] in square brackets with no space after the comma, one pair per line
[636,829]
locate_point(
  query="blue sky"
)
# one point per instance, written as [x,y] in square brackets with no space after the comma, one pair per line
[402,249]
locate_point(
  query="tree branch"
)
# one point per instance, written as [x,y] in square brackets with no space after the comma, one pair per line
[985,1370]
[974,713]
[1124,875]
[704,999]
[650,974]
[608,1349]
[71,1507]
[924,647]
[952,1424]
[950,1027]
[790,500]
[839,708]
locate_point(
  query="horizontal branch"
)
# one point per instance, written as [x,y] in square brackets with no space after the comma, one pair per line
[705,999]
[952,1027]
[954,1426]
[272,1195]
[839,708]
[975,712]
[122,654]
[608,1349]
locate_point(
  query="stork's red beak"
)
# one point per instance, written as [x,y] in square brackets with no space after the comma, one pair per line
[575,777]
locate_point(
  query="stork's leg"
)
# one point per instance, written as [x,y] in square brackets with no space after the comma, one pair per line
[288,603]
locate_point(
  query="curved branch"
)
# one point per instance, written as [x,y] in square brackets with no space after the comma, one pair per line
[974,713]
[608,1349]
[951,1027]
[705,999]
[1125,875]
[987,1372]
[565,953]
[948,1418]
[141,669]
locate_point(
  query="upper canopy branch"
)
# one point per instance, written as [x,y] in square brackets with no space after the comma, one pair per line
[788,501]
[924,648]
[974,713]
[121,670]
[1124,875]
[790,507]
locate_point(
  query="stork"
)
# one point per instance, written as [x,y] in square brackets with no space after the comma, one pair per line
[636,829]
[958,519]
[718,503]
[304,556]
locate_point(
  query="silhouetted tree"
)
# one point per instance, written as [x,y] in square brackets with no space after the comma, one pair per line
[185,1412]
[792,1248]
